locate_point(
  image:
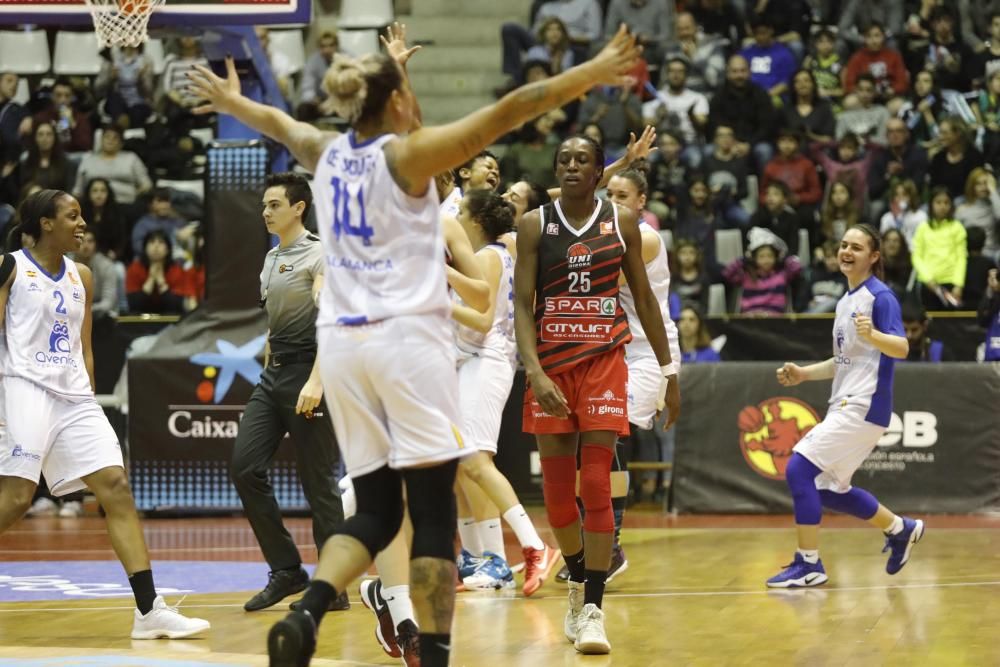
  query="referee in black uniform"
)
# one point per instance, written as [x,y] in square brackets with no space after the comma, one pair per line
[289,397]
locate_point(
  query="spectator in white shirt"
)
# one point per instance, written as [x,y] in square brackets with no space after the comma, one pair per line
[678,108]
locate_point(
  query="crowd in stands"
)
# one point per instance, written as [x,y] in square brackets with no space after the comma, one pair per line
[107,140]
[792,120]
[783,122]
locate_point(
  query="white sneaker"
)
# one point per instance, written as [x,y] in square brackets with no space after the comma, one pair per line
[590,635]
[71,509]
[43,507]
[163,622]
[575,608]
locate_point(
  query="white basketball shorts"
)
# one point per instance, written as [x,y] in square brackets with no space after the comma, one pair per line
[484,384]
[62,439]
[644,377]
[839,444]
[392,391]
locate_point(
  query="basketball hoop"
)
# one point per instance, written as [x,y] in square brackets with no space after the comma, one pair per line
[121,22]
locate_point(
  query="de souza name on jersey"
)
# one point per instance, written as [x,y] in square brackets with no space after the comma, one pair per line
[353,165]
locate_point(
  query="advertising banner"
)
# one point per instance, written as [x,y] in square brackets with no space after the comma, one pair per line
[940,454]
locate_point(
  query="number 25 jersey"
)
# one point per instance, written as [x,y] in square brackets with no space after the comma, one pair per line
[578,314]
[44,320]
[382,247]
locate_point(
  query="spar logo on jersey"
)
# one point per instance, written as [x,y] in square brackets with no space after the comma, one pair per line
[769,431]
[59,338]
[579,256]
[601,306]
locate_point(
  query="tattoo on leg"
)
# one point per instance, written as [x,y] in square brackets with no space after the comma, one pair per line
[432,584]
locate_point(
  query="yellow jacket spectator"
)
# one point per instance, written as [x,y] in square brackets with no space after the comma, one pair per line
[940,254]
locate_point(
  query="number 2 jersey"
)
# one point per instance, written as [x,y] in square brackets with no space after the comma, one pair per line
[44,320]
[578,313]
[382,246]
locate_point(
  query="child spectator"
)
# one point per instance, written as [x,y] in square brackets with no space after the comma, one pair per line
[982,209]
[896,263]
[766,275]
[977,268]
[826,283]
[866,118]
[923,108]
[695,341]
[922,346]
[884,64]
[155,283]
[940,254]
[826,66]
[689,280]
[847,164]
[777,216]
[839,213]
[904,214]
[989,316]
[771,63]
[797,173]
[695,219]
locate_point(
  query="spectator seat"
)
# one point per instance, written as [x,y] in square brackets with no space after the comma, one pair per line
[728,245]
[76,54]
[365,14]
[291,44]
[24,52]
[358,42]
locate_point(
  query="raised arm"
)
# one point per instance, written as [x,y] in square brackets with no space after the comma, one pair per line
[431,150]
[305,142]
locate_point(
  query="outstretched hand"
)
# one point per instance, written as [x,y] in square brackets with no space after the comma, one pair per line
[394,41]
[613,64]
[639,149]
[220,95]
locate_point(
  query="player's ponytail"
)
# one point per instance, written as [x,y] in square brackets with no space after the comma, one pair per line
[360,87]
[491,212]
[41,204]
[875,244]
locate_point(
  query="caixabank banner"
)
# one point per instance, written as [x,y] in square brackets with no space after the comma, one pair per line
[738,427]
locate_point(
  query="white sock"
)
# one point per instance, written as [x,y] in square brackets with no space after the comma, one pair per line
[491,536]
[469,535]
[810,556]
[400,607]
[519,522]
[897,526]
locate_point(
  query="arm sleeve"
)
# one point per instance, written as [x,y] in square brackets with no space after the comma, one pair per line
[960,253]
[886,315]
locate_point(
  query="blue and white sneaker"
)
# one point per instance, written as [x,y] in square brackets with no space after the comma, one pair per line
[492,573]
[467,564]
[899,545]
[799,574]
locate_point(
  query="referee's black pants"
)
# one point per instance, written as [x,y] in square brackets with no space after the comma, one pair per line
[269,415]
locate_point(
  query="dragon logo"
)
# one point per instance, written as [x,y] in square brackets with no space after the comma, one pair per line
[769,431]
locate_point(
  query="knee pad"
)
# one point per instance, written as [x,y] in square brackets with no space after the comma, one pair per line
[595,488]
[801,477]
[379,510]
[559,490]
[430,496]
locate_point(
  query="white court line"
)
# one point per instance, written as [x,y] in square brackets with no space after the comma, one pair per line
[109,550]
[481,600]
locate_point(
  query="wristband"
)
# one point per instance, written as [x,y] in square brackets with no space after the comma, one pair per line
[670,369]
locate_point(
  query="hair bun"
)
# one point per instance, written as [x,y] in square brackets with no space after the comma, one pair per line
[345,82]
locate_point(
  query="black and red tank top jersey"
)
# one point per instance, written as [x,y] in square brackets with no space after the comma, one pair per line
[577,311]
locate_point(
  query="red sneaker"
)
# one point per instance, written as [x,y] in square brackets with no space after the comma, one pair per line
[538,564]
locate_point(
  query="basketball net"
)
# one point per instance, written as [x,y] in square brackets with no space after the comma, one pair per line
[121,22]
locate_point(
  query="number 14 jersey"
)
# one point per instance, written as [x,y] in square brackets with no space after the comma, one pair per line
[578,314]
[382,246]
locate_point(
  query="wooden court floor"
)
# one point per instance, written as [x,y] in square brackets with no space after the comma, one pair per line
[693,595]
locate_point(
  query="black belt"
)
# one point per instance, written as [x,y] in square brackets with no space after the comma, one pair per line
[285,358]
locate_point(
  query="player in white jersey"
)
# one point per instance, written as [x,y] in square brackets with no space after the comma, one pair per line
[629,189]
[868,338]
[48,379]
[388,363]
[487,353]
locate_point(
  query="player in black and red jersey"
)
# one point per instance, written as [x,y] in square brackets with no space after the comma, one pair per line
[571,332]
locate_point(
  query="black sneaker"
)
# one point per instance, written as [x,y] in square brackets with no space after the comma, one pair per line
[385,633]
[292,641]
[408,640]
[618,563]
[339,603]
[280,585]
[563,575]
